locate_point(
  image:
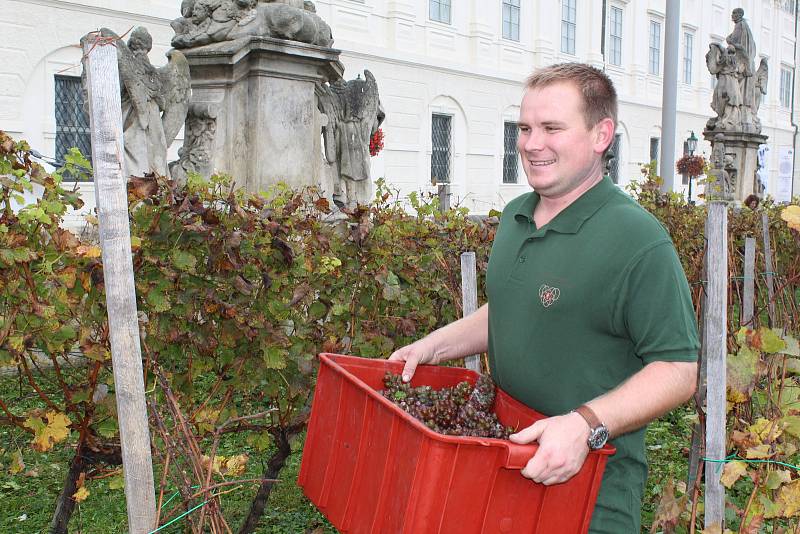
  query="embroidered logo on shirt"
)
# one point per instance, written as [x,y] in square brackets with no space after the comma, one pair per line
[548,295]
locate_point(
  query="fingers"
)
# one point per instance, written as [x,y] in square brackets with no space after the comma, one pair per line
[406,354]
[528,434]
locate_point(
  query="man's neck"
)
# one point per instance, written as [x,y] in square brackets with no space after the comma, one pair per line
[547,207]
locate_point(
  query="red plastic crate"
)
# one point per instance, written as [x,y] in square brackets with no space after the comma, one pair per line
[372,468]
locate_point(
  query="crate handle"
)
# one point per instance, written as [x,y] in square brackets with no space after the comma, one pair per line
[518,455]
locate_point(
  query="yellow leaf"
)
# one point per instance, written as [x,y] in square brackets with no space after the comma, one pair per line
[775,479]
[17,465]
[766,430]
[791,214]
[81,494]
[45,436]
[760,451]
[236,464]
[89,251]
[788,498]
[732,472]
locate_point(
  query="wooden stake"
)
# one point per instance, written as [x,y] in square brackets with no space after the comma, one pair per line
[749,274]
[716,356]
[469,298]
[111,195]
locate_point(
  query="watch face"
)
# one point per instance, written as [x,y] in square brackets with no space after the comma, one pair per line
[598,437]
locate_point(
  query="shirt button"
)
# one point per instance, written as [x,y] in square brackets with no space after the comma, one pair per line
[522,259]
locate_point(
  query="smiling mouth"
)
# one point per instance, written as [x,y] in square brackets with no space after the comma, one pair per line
[542,163]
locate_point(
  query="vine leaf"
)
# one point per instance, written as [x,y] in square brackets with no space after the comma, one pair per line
[777,478]
[788,499]
[732,472]
[48,434]
[742,370]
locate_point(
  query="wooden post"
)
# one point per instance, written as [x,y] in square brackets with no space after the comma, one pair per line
[749,273]
[716,356]
[102,78]
[469,298]
[443,191]
[698,430]
[768,268]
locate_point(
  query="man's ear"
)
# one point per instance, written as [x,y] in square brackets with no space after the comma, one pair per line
[604,135]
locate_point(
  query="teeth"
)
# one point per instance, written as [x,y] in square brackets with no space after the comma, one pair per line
[542,163]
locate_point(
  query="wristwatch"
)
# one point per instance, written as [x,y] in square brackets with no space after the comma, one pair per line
[598,433]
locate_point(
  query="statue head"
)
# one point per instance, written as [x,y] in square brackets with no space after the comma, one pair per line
[186,8]
[596,89]
[737,14]
[140,40]
[201,11]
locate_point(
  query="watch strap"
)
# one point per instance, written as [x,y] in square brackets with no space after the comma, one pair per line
[589,416]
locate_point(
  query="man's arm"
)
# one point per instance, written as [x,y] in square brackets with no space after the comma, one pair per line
[469,335]
[650,393]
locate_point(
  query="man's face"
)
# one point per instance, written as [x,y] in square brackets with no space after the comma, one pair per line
[558,151]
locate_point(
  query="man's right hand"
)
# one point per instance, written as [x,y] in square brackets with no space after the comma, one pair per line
[419,352]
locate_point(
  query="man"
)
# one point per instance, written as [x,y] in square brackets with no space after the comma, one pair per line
[588,306]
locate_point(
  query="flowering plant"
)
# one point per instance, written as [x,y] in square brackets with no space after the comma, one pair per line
[691,165]
[376,142]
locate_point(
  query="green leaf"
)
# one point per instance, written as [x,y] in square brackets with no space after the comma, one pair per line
[260,441]
[742,374]
[108,428]
[117,482]
[792,347]
[771,341]
[791,424]
[183,260]
[156,298]
[317,310]
[274,357]
[777,478]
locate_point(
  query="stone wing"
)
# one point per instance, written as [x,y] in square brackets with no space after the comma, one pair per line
[175,93]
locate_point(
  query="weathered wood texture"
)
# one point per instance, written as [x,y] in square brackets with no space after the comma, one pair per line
[443,191]
[469,298]
[715,354]
[768,268]
[698,430]
[112,210]
[749,276]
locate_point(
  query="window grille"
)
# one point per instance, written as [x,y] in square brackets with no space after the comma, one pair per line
[510,156]
[786,87]
[615,34]
[511,19]
[568,22]
[72,122]
[613,155]
[441,128]
[688,45]
[655,47]
[439,10]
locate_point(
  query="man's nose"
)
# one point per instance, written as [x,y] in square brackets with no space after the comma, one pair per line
[532,142]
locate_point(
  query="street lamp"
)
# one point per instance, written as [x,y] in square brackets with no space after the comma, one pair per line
[691,145]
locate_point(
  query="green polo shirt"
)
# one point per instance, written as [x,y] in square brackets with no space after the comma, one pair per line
[578,306]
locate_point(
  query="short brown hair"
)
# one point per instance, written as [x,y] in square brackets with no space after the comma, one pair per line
[596,89]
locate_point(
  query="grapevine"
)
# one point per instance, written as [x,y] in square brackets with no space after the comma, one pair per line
[462,410]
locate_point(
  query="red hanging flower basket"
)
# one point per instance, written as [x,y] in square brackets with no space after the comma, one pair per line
[691,165]
[376,142]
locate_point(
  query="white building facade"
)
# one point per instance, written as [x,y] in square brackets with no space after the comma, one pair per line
[450,74]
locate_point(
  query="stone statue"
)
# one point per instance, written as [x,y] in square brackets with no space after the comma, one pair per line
[736,63]
[154,101]
[721,183]
[727,99]
[212,21]
[354,113]
[198,142]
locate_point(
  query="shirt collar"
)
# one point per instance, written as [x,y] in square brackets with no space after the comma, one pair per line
[571,218]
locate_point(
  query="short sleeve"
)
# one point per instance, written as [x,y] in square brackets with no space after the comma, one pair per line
[654,306]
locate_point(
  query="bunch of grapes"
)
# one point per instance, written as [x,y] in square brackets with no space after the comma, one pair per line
[462,410]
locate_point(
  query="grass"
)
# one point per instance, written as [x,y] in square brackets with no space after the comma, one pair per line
[29,497]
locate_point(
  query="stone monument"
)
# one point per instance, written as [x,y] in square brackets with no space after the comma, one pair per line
[154,101]
[266,88]
[735,132]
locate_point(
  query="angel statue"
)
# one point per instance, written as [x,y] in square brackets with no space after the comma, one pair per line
[354,113]
[154,101]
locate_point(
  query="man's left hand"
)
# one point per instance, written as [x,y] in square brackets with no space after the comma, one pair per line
[562,448]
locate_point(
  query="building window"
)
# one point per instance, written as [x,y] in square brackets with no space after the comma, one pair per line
[688,46]
[510,155]
[72,122]
[654,142]
[568,21]
[786,87]
[655,47]
[615,36]
[441,128]
[612,165]
[439,10]
[511,19]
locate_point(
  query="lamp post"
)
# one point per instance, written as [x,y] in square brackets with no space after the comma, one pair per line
[691,145]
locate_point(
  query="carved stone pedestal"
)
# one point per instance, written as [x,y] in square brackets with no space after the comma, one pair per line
[743,151]
[260,122]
